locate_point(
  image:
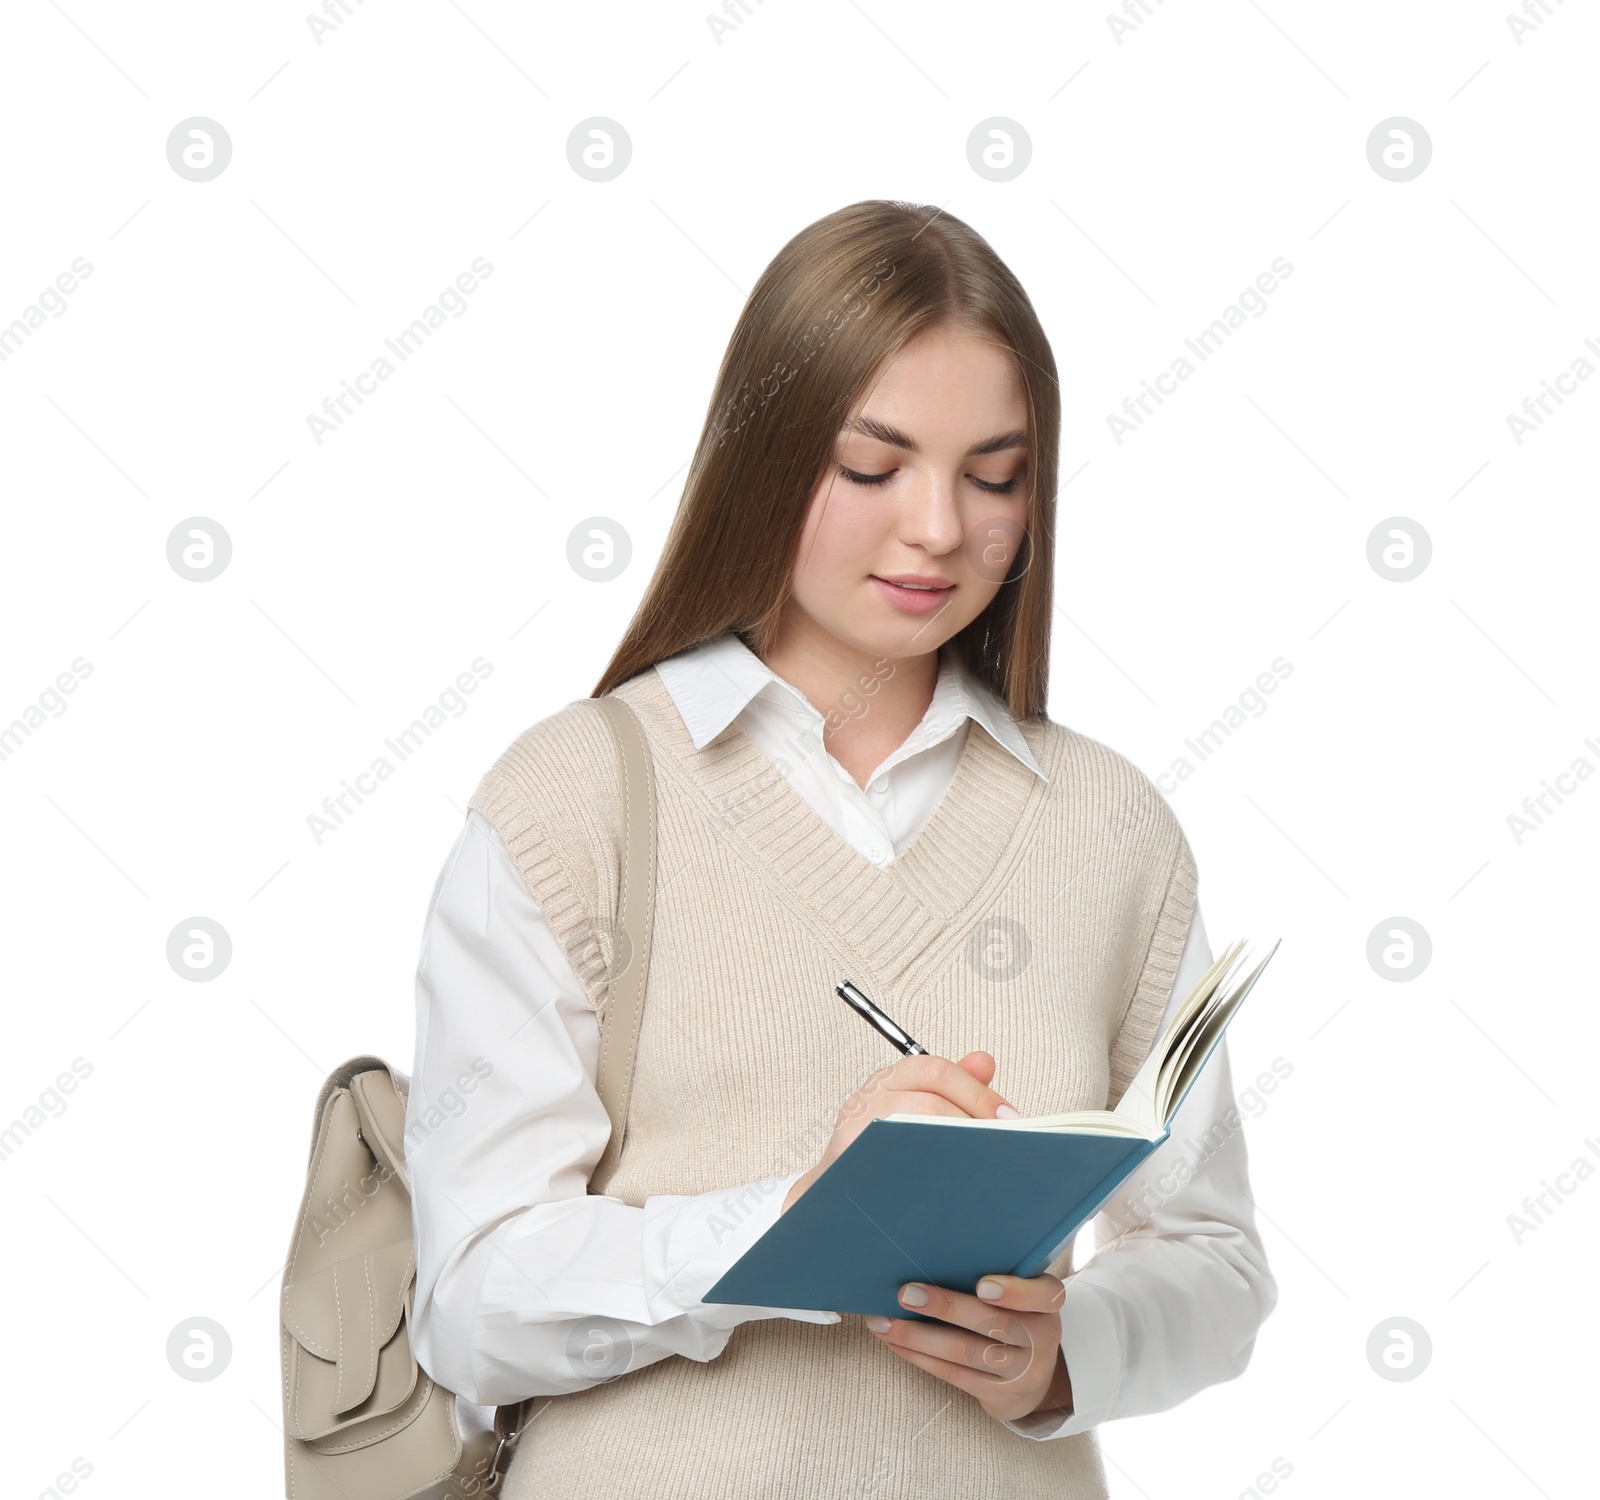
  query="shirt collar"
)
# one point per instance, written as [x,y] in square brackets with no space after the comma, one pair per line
[712,684]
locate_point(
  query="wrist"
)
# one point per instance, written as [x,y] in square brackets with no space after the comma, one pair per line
[1059,1396]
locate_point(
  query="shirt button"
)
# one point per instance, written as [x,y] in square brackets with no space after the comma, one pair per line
[877,854]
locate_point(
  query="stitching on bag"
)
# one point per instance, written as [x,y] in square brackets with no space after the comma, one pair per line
[425,1386]
[421,1376]
[287,1355]
[338,1308]
[317,1346]
[299,1392]
[371,1376]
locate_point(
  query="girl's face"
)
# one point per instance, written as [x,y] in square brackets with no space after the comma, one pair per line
[928,484]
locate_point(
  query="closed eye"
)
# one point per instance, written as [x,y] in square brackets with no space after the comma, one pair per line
[870,481]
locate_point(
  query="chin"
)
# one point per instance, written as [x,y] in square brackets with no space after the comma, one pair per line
[908,637]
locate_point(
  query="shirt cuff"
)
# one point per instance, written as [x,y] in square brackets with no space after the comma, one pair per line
[711,1232]
[1094,1359]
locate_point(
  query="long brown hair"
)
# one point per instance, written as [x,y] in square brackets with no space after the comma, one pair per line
[833,308]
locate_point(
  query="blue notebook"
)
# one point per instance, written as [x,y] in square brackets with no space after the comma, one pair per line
[881,1213]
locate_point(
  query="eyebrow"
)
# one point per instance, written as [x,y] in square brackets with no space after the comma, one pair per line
[884,433]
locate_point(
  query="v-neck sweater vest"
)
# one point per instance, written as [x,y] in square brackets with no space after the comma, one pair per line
[1039,921]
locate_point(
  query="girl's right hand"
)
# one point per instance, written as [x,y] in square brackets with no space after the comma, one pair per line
[918,1085]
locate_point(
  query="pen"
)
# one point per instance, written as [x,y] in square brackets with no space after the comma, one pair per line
[870,1012]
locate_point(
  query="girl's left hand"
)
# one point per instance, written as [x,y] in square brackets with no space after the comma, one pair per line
[1006,1352]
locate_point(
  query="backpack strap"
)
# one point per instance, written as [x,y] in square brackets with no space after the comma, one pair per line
[630,950]
[624,1004]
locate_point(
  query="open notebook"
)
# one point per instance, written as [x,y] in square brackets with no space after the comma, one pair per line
[947,1200]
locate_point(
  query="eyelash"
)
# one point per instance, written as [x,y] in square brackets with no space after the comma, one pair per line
[872,481]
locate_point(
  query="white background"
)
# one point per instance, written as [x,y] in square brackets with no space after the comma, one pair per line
[1168,170]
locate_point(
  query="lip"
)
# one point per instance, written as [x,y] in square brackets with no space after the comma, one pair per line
[914,601]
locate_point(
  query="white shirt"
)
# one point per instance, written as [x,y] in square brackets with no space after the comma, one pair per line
[518,1264]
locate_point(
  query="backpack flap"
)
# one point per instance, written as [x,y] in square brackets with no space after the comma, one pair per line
[352,1358]
[345,1303]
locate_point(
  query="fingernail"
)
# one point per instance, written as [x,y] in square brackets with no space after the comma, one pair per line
[1005,1112]
[878,1325]
[914,1296]
[990,1290]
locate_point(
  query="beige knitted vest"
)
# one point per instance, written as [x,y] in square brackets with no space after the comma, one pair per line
[1042,923]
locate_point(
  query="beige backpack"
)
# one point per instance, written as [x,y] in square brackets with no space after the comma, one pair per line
[361,1418]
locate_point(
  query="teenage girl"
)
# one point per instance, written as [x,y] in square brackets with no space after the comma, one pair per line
[841,664]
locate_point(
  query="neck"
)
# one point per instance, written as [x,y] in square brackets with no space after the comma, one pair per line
[869,703]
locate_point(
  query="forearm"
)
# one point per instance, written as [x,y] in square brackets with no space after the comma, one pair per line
[567,1294]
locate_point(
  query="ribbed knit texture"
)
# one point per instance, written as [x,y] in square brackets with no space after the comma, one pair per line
[1042,923]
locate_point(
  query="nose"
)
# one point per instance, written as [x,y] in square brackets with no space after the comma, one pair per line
[929,517]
